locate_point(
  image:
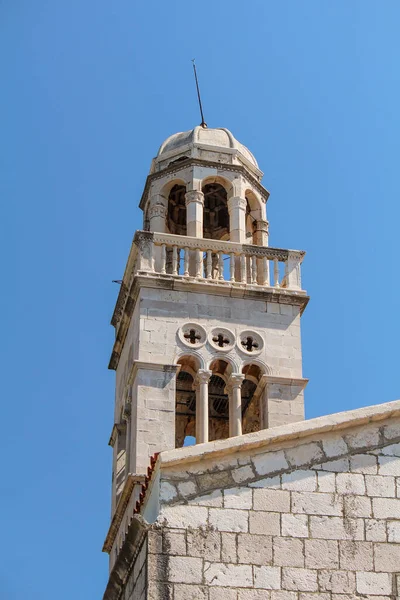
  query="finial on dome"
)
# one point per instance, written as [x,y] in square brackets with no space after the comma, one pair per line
[203,124]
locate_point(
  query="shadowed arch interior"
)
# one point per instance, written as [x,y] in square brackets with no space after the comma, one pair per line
[176,216]
[216,216]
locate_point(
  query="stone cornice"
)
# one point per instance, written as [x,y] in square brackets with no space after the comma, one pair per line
[123,501]
[193,162]
[220,288]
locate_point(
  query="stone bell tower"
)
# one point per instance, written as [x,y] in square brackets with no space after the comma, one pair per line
[207,319]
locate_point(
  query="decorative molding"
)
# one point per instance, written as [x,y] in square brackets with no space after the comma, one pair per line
[228,337]
[256,340]
[176,168]
[194,196]
[186,336]
[203,376]
[158,210]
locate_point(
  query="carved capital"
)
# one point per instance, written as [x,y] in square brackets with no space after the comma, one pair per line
[203,376]
[194,196]
[261,225]
[236,203]
[158,210]
[235,380]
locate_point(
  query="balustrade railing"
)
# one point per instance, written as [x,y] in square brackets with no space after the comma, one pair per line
[217,261]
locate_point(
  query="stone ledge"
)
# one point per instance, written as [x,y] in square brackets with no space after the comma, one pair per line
[275,435]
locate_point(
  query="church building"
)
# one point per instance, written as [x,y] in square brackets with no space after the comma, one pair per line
[220,489]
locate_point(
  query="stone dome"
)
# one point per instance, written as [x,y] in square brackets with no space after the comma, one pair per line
[219,138]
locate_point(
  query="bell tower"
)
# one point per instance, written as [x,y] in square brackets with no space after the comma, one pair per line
[207,320]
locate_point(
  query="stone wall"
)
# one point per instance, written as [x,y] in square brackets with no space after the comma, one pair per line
[136,584]
[304,520]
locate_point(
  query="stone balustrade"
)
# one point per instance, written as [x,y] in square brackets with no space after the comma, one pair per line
[217,261]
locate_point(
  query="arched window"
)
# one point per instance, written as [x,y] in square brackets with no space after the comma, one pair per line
[216,216]
[176,217]
[185,409]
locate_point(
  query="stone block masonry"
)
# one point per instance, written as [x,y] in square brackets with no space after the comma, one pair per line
[315,516]
[316,519]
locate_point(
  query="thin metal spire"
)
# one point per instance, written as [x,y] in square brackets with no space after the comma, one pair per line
[203,123]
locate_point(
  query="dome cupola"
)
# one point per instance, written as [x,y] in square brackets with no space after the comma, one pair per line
[212,144]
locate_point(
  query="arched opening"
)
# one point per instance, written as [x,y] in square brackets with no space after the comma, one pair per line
[219,400]
[254,213]
[176,215]
[215,216]
[185,408]
[185,402]
[251,408]
[249,224]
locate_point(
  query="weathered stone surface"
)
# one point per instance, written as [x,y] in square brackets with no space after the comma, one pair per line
[220,574]
[300,481]
[264,523]
[204,544]
[356,556]
[267,578]
[271,500]
[302,580]
[321,554]
[225,519]
[288,552]
[295,525]
[316,504]
[270,462]
[184,569]
[190,592]
[254,550]
[304,454]
[239,497]
[374,583]
[387,557]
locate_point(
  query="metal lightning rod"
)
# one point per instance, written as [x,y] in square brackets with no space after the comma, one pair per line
[203,123]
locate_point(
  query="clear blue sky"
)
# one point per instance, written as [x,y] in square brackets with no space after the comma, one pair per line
[89,91]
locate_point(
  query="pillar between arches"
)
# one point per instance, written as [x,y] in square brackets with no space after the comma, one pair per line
[202,417]
[194,213]
[234,389]
[237,219]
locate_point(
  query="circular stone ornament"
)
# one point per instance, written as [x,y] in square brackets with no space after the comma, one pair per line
[250,342]
[192,335]
[221,339]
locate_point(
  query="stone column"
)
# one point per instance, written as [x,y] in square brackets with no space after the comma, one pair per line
[202,379]
[237,219]
[194,227]
[261,239]
[235,404]
[194,213]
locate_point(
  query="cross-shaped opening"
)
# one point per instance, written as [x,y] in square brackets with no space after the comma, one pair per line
[220,340]
[192,336]
[249,344]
